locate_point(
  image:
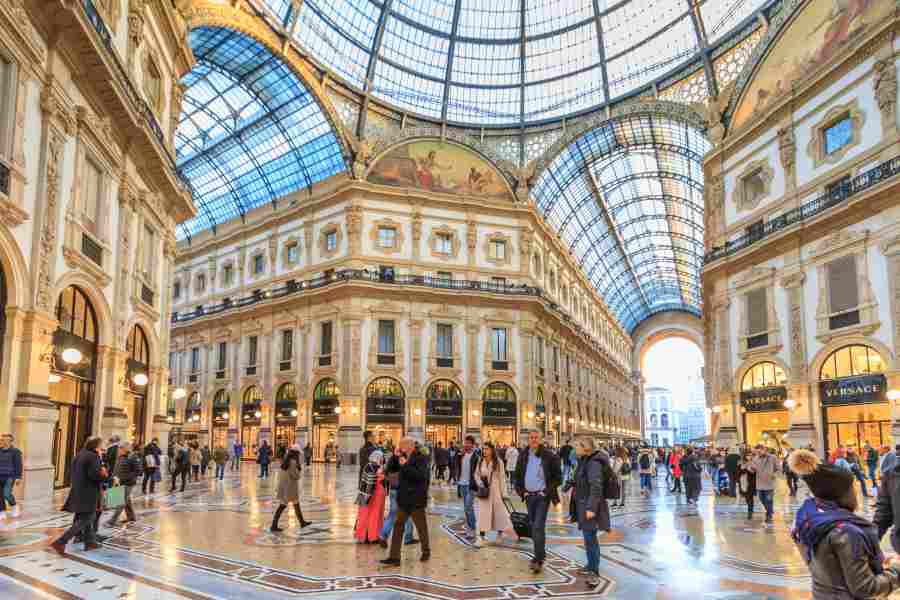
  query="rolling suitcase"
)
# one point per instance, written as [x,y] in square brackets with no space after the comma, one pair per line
[519,520]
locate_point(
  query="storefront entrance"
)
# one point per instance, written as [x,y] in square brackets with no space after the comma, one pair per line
[499,435]
[764,417]
[285,417]
[220,437]
[284,435]
[443,413]
[251,420]
[443,433]
[136,380]
[385,411]
[852,393]
[326,408]
[74,425]
[324,434]
[499,422]
[221,419]
[387,435]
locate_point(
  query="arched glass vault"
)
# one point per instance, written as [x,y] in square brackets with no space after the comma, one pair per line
[250,131]
[627,198]
[503,62]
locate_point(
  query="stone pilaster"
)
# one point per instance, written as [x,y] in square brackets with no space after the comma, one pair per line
[416,241]
[473,400]
[787,152]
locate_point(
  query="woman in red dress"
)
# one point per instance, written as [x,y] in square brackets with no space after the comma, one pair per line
[370,517]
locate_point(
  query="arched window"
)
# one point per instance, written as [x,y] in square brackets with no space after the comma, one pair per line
[192,408]
[327,388]
[763,375]
[444,390]
[539,402]
[253,395]
[851,361]
[221,406]
[77,329]
[326,398]
[664,420]
[286,401]
[499,392]
[137,347]
[385,387]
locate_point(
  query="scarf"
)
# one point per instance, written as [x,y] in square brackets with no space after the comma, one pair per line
[817,518]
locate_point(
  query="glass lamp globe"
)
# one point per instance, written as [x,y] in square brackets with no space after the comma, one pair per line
[140,379]
[71,355]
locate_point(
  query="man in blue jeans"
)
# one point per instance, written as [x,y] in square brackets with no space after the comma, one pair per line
[10,472]
[389,524]
[538,477]
[463,468]
[764,464]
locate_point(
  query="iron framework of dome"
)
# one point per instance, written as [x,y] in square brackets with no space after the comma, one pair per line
[510,62]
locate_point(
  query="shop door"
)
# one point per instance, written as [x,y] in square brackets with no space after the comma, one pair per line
[220,438]
[499,435]
[134,408]
[250,440]
[72,429]
[443,433]
[853,426]
[323,434]
[387,435]
[284,434]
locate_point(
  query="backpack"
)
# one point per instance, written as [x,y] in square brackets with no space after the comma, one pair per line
[612,488]
[645,461]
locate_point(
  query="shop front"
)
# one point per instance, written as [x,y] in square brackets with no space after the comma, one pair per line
[764,417]
[326,408]
[385,411]
[499,423]
[853,398]
[136,380]
[251,421]
[72,378]
[443,413]
[285,418]
[221,420]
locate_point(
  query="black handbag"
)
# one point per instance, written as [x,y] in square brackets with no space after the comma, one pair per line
[484,491]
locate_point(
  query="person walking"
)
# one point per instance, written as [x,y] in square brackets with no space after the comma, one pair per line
[593,511]
[692,472]
[675,469]
[789,476]
[264,458]
[288,491]
[196,458]
[621,465]
[452,452]
[237,453]
[538,477]
[10,472]
[840,547]
[338,457]
[205,458]
[367,448]
[87,476]
[732,465]
[181,466]
[307,454]
[488,483]
[392,480]
[887,505]
[128,468]
[512,457]
[220,457]
[370,500]
[441,461]
[764,464]
[152,465]
[746,483]
[871,457]
[112,453]
[646,466]
[412,498]
[857,470]
[463,468]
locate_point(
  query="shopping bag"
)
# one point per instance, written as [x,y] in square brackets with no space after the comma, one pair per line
[114,497]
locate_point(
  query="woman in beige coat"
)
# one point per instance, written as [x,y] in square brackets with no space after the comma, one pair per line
[490,512]
[289,488]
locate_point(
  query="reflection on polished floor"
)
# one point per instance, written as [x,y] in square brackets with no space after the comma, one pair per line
[212,542]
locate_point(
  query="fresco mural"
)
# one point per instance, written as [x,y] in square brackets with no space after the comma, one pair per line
[439,167]
[821,30]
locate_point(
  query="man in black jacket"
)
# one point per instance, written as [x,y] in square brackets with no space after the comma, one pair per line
[412,498]
[732,464]
[88,475]
[538,477]
[128,469]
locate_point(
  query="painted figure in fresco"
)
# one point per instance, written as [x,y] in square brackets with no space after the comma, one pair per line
[427,166]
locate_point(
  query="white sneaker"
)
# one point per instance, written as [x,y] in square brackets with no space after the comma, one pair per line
[478,542]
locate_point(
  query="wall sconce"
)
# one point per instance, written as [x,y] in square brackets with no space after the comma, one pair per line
[894,396]
[476,412]
[417,412]
[54,378]
[257,414]
[717,409]
[530,414]
[294,413]
[140,379]
[789,403]
[72,356]
[557,418]
[354,411]
[224,415]
[583,424]
[170,419]
[196,418]
[179,393]
[337,410]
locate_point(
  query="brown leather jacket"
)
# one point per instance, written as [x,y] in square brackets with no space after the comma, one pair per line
[837,575]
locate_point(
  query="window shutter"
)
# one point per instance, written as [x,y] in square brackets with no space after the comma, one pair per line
[757,312]
[843,294]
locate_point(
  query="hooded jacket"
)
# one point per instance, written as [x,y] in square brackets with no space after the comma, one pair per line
[589,479]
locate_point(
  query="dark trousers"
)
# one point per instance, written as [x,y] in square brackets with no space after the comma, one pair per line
[537,516]
[792,482]
[3,484]
[127,507]
[732,483]
[83,527]
[264,470]
[440,472]
[148,477]
[418,517]
[183,473]
[692,488]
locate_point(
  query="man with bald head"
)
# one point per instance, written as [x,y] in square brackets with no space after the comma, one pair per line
[412,498]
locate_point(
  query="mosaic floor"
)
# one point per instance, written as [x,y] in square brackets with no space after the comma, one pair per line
[212,542]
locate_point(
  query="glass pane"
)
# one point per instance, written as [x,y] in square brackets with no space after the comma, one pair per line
[876,364]
[827,371]
[838,135]
[844,367]
[859,360]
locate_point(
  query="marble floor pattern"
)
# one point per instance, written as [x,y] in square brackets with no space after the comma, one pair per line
[212,541]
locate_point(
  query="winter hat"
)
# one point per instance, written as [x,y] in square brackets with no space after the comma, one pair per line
[826,482]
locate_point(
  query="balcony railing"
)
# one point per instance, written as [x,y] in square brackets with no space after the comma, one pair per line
[137,101]
[349,275]
[837,195]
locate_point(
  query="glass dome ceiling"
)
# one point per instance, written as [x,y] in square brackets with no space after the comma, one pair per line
[627,198]
[507,62]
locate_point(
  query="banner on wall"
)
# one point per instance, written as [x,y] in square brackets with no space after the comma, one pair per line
[764,399]
[865,389]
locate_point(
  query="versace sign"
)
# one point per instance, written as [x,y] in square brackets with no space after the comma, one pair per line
[764,399]
[865,389]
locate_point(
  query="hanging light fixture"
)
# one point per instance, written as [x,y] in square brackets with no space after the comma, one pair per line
[790,403]
[337,410]
[294,413]
[179,393]
[257,414]
[72,356]
[54,378]
[140,379]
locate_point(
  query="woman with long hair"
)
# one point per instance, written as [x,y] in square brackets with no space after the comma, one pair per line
[289,488]
[372,492]
[488,482]
[621,466]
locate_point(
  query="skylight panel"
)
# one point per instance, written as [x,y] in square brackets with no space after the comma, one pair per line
[492,64]
[490,19]
[413,48]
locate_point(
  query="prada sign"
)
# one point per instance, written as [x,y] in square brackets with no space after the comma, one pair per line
[385,406]
[499,409]
[764,399]
[865,389]
[443,408]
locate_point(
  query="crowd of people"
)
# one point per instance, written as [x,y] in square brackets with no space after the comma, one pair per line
[590,481]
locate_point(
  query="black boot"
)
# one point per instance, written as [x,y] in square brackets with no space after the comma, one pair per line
[303,522]
[275,528]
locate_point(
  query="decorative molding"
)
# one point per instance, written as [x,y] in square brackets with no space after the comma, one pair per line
[766,174]
[885,81]
[47,243]
[838,242]
[455,243]
[498,236]
[323,237]
[787,152]
[285,260]
[815,149]
[387,223]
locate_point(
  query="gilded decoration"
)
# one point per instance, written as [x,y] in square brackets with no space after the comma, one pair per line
[885,80]
[324,233]
[434,238]
[437,166]
[814,36]
[397,240]
[787,152]
[746,198]
[816,147]
[489,242]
